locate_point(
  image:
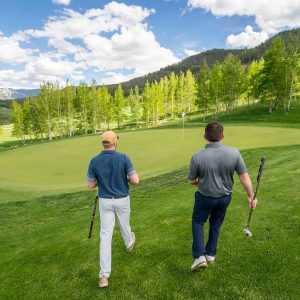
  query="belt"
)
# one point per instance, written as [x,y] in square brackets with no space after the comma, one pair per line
[117,197]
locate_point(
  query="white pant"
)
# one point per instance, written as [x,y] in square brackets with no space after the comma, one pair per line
[108,209]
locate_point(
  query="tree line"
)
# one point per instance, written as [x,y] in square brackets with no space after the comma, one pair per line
[63,112]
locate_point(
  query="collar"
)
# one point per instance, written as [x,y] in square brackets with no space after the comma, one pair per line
[214,145]
[108,151]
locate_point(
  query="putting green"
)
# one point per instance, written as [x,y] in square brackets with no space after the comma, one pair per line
[61,165]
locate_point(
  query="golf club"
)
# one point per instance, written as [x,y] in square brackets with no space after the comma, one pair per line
[246,229]
[93,216]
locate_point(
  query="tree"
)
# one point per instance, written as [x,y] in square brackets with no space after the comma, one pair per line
[215,87]
[203,89]
[190,92]
[135,104]
[172,89]
[119,102]
[146,102]
[292,64]
[94,100]
[252,79]
[46,103]
[272,76]
[83,108]
[69,95]
[18,121]
[232,80]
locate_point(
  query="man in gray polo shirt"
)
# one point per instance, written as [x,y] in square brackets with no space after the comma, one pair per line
[212,169]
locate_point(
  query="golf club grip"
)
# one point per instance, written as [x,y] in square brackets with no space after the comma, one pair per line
[262,163]
[93,217]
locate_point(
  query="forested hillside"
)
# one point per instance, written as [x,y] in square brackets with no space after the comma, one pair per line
[195,62]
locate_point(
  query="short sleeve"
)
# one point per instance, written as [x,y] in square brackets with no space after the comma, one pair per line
[91,173]
[129,169]
[193,170]
[240,166]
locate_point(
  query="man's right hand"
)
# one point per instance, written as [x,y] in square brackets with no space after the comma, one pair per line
[252,202]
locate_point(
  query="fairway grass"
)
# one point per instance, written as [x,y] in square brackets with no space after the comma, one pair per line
[60,166]
[45,253]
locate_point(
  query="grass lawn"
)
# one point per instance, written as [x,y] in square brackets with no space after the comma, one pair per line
[45,253]
[60,166]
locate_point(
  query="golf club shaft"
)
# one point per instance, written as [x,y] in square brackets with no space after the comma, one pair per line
[93,216]
[262,162]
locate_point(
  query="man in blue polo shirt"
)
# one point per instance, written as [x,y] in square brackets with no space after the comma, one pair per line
[212,169]
[111,171]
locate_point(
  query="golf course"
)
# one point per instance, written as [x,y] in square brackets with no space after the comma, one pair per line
[46,210]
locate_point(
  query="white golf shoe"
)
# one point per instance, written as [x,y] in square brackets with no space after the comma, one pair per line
[199,263]
[210,259]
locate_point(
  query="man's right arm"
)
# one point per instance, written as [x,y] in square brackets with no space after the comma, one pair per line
[134,179]
[247,184]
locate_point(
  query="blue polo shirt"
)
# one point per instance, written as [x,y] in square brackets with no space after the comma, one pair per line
[110,169]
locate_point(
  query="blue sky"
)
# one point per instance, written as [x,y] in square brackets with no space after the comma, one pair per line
[113,41]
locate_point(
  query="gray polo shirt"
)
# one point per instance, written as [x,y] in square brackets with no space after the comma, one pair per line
[214,167]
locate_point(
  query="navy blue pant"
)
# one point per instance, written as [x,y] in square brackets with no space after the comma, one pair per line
[215,209]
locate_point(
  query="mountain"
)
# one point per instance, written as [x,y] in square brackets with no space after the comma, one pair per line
[9,94]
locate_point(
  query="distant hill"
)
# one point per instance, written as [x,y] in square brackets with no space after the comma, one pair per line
[9,94]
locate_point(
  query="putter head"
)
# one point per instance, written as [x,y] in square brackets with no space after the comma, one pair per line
[248,232]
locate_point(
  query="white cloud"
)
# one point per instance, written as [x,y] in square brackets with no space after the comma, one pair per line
[248,38]
[190,52]
[115,39]
[11,51]
[63,2]
[271,16]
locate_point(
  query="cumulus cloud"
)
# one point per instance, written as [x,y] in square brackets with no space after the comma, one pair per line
[115,39]
[271,16]
[62,2]
[11,51]
[248,38]
[190,52]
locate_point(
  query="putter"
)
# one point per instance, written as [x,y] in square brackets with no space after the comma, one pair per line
[93,217]
[246,230]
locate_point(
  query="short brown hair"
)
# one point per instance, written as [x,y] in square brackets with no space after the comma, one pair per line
[214,131]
